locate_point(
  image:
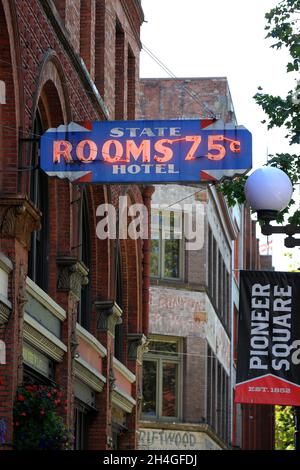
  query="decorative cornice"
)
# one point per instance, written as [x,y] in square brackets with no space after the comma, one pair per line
[18,219]
[137,346]
[72,275]
[108,315]
[89,375]
[42,339]
[122,400]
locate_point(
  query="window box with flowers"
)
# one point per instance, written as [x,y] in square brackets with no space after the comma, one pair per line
[37,422]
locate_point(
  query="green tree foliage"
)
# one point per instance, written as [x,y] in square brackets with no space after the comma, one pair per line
[283,26]
[284,428]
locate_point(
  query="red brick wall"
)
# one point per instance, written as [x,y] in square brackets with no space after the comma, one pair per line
[42,68]
[185,98]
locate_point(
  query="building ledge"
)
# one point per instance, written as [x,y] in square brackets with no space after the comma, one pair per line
[123,400]
[91,340]
[38,336]
[5,263]
[44,299]
[124,371]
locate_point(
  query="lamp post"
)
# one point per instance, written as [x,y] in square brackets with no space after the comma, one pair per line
[268,191]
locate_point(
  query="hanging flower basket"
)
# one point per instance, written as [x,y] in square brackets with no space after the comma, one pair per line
[37,422]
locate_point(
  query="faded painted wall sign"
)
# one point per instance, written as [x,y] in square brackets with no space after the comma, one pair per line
[177,312]
[183,313]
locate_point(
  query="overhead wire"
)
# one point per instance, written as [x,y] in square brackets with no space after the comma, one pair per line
[152,56]
[158,62]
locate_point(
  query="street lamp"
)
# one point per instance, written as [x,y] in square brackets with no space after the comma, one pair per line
[268,191]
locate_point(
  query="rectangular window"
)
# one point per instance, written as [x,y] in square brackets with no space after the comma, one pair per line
[161,379]
[166,245]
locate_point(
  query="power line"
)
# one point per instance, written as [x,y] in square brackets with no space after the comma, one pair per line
[151,54]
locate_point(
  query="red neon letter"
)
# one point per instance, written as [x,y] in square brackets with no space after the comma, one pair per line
[166,151]
[132,149]
[62,148]
[196,139]
[118,151]
[218,147]
[92,151]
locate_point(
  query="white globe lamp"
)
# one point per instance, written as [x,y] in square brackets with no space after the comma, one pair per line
[268,191]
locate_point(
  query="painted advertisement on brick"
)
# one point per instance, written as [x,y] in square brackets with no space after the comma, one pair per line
[174,439]
[177,312]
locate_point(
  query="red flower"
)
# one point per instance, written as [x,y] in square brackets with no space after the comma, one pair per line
[42,412]
[23,413]
[21,398]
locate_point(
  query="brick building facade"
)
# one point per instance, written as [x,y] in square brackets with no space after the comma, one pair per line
[191,305]
[73,308]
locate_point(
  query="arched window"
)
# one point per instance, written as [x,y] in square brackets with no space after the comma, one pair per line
[38,260]
[84,308]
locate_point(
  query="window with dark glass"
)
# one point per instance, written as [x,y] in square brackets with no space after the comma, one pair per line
[161,381]
[166,245]
[38,260]
[81,427]
[84,308]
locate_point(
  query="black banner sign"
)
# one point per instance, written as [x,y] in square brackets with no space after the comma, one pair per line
[268,362]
